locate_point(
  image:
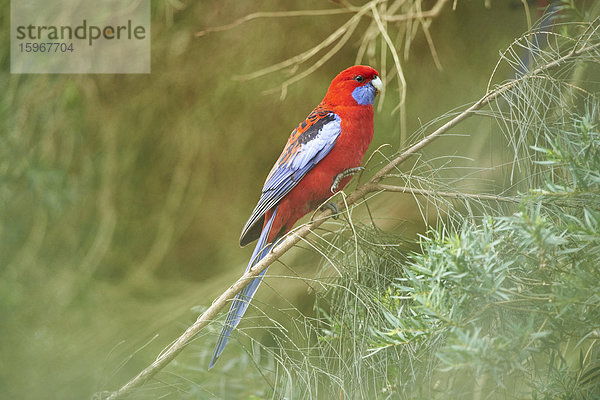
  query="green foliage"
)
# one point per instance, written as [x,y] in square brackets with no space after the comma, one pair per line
[508,307]
[506,296]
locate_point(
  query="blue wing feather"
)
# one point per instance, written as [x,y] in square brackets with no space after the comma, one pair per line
[308,145]
[242,299]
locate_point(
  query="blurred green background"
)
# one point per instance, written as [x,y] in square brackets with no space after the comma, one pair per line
[122,197]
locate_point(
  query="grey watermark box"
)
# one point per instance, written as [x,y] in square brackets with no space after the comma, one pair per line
[101,36]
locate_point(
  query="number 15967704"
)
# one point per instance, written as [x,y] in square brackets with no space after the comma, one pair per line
[45,47]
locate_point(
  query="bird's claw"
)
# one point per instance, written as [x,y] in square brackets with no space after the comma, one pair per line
[344,174]
[333,207]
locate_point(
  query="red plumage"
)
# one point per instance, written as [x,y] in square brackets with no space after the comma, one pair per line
[349,150]
[332,139]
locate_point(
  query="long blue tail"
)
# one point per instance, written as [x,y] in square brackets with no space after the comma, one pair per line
[243,298]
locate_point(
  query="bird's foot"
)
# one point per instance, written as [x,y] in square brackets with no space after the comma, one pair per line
[344,174]
[330,205]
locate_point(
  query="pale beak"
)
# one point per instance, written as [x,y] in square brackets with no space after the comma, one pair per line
[377,84]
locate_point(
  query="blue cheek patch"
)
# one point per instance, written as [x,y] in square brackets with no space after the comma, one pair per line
[364,94]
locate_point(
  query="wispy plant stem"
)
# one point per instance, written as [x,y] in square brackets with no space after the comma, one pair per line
[452,195]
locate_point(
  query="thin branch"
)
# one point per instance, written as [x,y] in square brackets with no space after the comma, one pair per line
[274,14]
[297,234]
[487,98]
[397,64]
[302,57]
[452,195]
[316,65]
[433,12]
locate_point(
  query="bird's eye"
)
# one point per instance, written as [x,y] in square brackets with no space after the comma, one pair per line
[359,78]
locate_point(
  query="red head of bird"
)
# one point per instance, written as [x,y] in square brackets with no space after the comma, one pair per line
[357,85]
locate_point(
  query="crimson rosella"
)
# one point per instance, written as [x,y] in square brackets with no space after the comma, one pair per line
[318,159]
